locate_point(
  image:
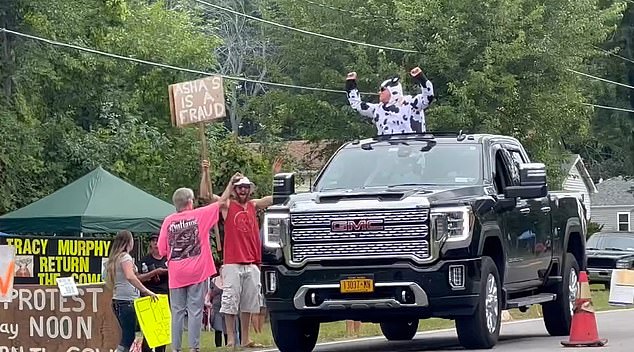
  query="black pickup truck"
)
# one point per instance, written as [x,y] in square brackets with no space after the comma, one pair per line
[407,227]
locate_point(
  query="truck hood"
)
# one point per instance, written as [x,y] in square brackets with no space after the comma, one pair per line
[382,198]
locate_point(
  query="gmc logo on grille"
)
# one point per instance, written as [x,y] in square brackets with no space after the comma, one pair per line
[356,225]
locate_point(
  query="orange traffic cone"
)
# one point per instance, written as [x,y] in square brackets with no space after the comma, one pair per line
[583,330]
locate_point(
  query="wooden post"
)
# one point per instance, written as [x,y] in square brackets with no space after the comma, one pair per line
[204,155]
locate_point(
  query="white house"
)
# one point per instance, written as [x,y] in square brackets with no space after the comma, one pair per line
[613,205]
[578,180]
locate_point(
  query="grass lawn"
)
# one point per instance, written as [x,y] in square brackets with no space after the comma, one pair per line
[337,330]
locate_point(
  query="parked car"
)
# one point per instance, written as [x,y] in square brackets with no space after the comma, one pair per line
[607,251]
[401,228]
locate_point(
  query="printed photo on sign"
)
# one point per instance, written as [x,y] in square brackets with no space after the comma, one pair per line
[24,266]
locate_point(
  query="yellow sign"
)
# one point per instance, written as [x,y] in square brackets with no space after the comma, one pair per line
[155,320]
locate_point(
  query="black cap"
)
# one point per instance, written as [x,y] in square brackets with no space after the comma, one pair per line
[154,236]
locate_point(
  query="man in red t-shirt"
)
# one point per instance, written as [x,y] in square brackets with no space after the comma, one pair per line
[242,256]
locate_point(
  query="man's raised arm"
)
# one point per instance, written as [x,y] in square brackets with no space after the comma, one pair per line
[206,189]
[354,98]
[267,201]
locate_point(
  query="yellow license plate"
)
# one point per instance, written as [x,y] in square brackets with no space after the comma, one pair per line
[361,285]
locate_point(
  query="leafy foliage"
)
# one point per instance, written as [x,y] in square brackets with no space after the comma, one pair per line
[501,67]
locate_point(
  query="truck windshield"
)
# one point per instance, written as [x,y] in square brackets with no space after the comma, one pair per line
[395,165]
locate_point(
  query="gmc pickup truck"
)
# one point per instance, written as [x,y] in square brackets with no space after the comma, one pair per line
[406,227]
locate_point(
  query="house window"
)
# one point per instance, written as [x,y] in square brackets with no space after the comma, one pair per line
[623,221]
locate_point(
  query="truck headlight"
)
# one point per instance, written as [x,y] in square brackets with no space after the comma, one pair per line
[275,229]
[623,264]
[452,224]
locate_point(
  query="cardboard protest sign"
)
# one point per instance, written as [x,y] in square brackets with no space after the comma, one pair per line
[155,320]
[41,260]
[192,102]
[622,287]
[41,319]
[7,272]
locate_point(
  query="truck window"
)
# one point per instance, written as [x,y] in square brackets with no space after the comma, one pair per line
[388,165]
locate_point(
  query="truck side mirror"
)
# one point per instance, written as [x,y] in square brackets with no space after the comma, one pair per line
[283,187]
[532,182]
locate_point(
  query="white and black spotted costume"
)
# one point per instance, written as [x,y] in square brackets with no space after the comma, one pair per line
[402,114]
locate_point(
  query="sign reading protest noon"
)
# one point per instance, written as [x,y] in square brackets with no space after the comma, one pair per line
[40,260]
[197,101]
[40,319]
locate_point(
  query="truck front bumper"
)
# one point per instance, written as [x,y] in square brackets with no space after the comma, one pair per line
[446,289]
[599,275]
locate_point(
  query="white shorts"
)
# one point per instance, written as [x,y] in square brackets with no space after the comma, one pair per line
[241,291]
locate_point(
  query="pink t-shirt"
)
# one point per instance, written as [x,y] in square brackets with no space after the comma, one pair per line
[184,240]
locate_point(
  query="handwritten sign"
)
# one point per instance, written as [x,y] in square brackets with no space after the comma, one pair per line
[155,320]
[197,101]
[7,272]
[67,286]
[41,260]
[41,319]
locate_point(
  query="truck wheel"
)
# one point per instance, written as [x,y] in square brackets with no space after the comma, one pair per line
[481,331]
[294,335]
[558,314]
[399,330]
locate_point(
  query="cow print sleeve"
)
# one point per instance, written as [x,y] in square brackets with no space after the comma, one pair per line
[420,102]
[364,109]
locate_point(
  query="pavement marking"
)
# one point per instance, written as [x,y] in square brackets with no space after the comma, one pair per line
[439,331]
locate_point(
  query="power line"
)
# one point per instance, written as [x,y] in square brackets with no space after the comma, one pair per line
[171,67]
[176,68]
[608,107]
[600,79]
[615,55]
[302,30]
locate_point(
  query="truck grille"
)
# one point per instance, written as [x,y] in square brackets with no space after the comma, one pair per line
[404,234]
[601,263]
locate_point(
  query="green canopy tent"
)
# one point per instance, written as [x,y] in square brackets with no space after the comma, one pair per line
[98,202]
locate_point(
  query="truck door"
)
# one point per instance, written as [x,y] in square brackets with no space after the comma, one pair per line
[532,244]
[540,217]
[517,231]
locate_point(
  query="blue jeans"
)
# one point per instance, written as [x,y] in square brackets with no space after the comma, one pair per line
[124,311]
[126,315]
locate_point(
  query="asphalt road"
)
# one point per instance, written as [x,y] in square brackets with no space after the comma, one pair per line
[526,336]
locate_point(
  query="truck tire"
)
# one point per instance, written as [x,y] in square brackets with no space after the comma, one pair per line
[558,313]
[481,331]
[399,330]
[294,335]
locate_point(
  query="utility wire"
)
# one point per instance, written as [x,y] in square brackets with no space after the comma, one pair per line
[615,55]
[601,79]
[176,68]
[608,107]
[171,67]
[301,30]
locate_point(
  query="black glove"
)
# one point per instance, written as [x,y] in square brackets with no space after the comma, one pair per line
[420,79]
[351,84]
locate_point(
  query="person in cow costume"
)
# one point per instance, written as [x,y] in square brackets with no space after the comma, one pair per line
[396,113]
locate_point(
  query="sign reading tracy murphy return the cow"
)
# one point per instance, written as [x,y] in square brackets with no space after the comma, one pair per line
[40,260]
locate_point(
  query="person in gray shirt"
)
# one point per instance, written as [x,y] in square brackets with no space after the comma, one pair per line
[121,277]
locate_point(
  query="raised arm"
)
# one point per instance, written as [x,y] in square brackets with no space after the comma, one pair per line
[267,201]
[354,97]
[424,99]
[206,189]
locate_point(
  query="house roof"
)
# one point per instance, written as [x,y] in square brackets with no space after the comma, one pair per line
[614,191]
[574,160]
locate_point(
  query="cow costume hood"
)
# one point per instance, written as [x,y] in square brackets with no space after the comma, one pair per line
[393,85]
